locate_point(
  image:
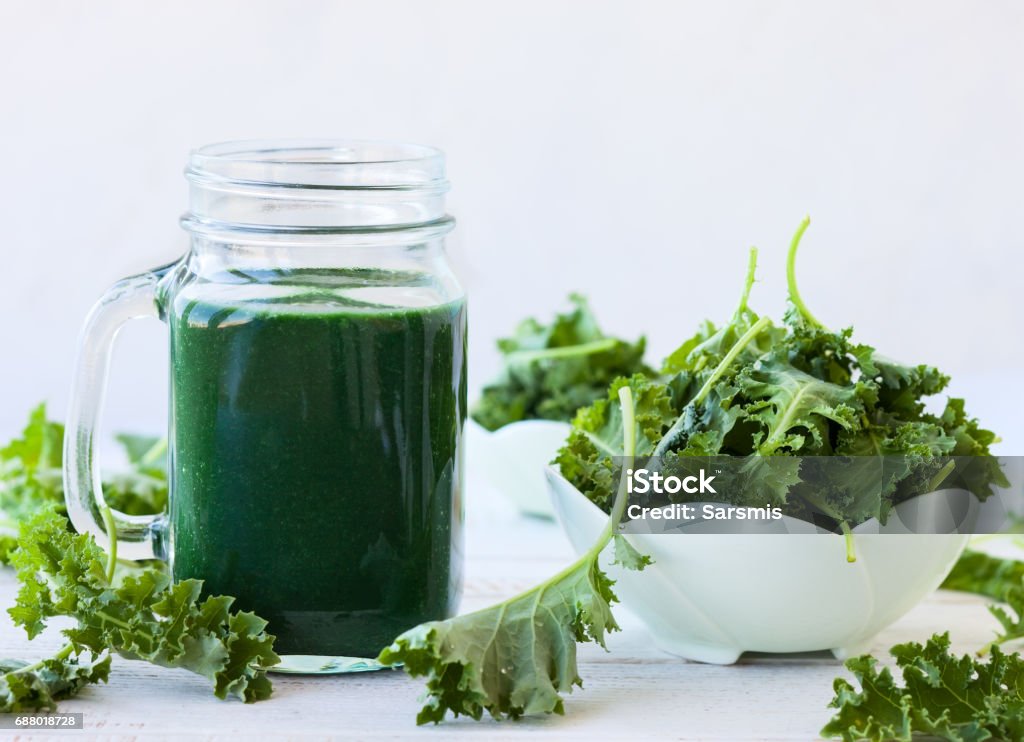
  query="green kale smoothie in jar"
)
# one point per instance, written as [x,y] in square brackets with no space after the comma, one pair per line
[318,394]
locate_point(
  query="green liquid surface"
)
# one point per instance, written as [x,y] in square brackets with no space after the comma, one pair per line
[316,472]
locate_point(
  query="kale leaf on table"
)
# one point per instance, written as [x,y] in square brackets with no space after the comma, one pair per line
[788,404]
[994,577]
[133,610]
[550,371]
[36,686]
[143,616]
[984,574]
[943,696]
[518,656]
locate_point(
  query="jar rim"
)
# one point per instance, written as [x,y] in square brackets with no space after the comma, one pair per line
[320,164]
[314,185]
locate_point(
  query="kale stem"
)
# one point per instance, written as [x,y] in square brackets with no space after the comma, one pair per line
[941,476]
[724,364]
[62,654]
[794,292]
[566,351]
[111,526]
[618,507]
[751,269]
[628,451]
[123,624]
[851,555]
[153,454]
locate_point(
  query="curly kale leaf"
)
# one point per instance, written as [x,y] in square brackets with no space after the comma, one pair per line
[145,616]
[590,458]
[976,470]
[793,410]
[517,657]
[31,469]
[31,478]
[1010,616]
[8,543]
[550,371]
[36,686]
[942,696]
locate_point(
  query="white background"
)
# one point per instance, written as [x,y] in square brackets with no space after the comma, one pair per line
[629,150]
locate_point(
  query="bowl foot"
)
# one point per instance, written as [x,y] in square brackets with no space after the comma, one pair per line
[851,650]
[707,654]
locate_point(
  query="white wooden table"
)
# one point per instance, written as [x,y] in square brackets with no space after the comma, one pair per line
[631,692]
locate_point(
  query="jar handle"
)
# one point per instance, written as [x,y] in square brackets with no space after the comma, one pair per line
[131,298]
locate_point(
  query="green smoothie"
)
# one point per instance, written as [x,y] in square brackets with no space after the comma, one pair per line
[316,475]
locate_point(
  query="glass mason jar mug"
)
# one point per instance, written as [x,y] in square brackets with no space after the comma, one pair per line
[318,395]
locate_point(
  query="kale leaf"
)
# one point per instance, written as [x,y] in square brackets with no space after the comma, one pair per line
[30,469]
[983,574]
[143,616]
[518,656]
[591,456]
[994,577]
[134,610]
[550,371]
[31,477]
[942,696]
[31,687]
[1010,617]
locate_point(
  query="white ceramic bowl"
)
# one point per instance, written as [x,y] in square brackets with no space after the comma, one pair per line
[711,597]
[513,459]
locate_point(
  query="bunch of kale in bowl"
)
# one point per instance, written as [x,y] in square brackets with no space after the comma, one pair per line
[825,428]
